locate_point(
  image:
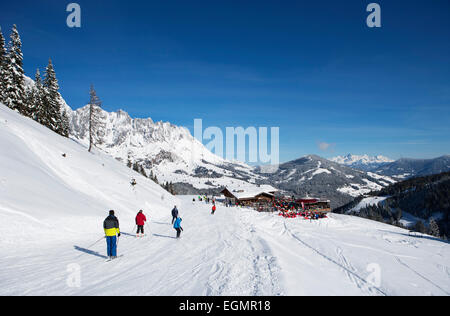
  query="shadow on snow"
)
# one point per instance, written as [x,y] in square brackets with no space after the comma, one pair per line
[90,252]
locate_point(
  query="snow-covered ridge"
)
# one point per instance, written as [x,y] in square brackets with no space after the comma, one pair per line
[168,151]
[351,160]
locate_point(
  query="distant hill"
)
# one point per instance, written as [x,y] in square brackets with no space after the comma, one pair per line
[322,178]
[407,168]
[414,203]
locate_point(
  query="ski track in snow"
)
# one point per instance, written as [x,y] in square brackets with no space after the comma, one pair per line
[343,264]
[234,252]
[420,275]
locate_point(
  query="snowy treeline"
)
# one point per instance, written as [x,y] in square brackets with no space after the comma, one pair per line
[40,101]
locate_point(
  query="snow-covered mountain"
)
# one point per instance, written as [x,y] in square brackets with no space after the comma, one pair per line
[323,178]
[408,202]
[408,168]
[54,196]
[362,162]
[397,169]
[172,154]
[167,150]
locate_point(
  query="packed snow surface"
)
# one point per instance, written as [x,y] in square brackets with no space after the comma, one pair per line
[52,208]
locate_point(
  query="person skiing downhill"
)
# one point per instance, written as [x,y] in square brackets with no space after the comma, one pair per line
[112,231]
[174,214]
[178,227]
[213,209]
[140,222]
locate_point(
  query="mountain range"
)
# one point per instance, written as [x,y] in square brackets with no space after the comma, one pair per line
[362,162]
[171,154]
[319,177]
[167,151]
[397,169]
[406,168]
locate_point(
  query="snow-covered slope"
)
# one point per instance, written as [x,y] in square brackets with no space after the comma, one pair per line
[169,151]
[42,192]
[52,208]
[362,162]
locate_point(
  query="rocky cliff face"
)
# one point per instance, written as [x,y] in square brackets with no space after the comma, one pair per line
[170,152]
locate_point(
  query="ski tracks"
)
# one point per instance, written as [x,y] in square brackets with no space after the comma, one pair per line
[344,265]
[421,276]
[246,265]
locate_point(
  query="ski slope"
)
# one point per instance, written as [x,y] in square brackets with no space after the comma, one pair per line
[52,208]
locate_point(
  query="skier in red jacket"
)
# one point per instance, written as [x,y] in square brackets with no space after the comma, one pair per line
[140,222]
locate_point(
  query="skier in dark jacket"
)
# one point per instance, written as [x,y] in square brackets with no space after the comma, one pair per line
[174,214]
[178,227]
[112,231]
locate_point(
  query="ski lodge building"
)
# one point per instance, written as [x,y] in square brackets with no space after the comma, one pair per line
[250,195]
[318,205]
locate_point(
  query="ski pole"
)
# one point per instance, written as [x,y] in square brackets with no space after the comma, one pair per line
[92,246]
[117,244]
[95,242]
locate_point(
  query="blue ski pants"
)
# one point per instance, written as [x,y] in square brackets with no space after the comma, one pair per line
[111,243]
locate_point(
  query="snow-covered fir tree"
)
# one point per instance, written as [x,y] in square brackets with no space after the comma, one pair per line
[434,228]
[51,116]
[65,123]
[36,99]
[96,120]
[33,100]
[14,83]
[2,65]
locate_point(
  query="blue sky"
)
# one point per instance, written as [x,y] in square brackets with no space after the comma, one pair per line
[312,68]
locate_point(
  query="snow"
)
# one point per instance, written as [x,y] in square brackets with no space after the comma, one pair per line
[52,208]
[368,201]
[350,159]
[409,220]
[245,192]
[321,170]
[380,177]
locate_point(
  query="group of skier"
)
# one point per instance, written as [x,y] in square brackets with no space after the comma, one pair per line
[112,229]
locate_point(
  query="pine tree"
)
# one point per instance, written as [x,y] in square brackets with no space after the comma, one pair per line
[38,110]
[96,120]
[65,124]
[14,83]
[50,100]
[434,228]
[2,66]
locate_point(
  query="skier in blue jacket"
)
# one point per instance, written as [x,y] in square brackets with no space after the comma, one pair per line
[178,227]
